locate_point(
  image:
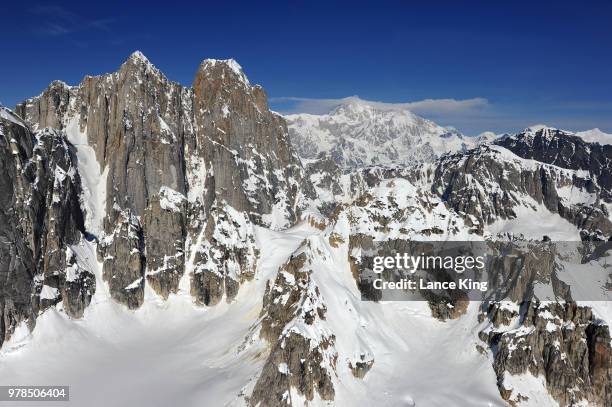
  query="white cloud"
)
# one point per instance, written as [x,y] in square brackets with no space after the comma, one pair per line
[427,107]
[470,116]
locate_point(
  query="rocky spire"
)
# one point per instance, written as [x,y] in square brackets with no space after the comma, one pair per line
[215,149]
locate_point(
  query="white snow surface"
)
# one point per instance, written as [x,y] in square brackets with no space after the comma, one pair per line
[93,179]
[534,224]
[165,353]
[596,136]
[530,386]
[170,200]
[48,293]
[418,359]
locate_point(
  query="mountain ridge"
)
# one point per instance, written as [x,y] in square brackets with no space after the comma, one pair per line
[357,134]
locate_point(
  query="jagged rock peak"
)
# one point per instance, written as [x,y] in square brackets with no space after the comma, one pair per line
[137,62]
[226,65]
[545,131]
[59,84]
[56,87]
[213,150]
[138,56]
[537,127]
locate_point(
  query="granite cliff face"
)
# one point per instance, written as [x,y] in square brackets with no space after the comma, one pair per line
[187,173]
[42,222]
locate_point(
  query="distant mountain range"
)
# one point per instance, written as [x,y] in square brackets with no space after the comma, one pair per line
[357,133]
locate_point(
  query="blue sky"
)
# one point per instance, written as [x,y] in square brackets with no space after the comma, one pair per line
[481,67]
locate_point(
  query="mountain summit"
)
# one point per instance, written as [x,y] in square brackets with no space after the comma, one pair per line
[357,134]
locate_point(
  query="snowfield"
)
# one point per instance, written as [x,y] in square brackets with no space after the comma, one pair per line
[175,353]
[165,353]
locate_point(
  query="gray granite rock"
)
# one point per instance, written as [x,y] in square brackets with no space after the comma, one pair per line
[41,218]
[173,155]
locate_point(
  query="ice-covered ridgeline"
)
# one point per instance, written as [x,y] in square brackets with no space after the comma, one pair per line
[357,134]
[492,189]
[590,136]
[595,136]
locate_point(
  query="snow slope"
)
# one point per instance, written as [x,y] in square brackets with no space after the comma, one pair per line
[165,353]
[93,181]
[10,116]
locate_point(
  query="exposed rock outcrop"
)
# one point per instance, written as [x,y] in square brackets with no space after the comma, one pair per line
[41,218]
[564,343]
[189,173]
[362,365]
[565,150]
[490,183]
[303,358]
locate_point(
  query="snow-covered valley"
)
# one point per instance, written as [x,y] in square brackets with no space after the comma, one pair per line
[173,352]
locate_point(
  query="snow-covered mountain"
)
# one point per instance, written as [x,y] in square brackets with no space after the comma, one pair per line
[357,134]
[167,242]
[595,136]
